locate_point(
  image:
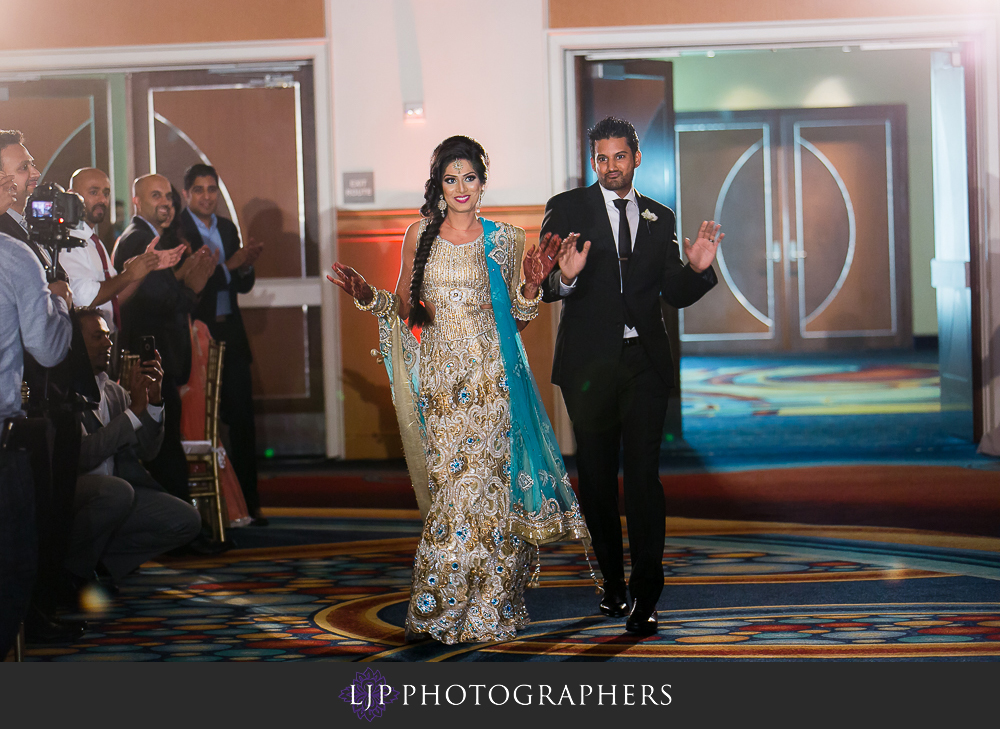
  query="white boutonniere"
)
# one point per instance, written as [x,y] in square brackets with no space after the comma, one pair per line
[646,215]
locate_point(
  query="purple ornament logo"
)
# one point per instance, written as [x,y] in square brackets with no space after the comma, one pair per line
[369,694]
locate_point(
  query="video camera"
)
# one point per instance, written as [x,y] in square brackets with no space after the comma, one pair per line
[51,213]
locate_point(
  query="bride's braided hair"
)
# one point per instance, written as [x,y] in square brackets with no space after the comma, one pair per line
[452,148]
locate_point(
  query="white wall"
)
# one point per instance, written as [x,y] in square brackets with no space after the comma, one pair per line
[483,74]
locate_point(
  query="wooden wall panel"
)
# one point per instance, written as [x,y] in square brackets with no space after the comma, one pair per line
[597,13]
[370,242]
[55,24]
[280,369]
[249,135]
[46,124]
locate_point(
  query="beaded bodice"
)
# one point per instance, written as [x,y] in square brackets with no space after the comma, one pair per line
[457,283]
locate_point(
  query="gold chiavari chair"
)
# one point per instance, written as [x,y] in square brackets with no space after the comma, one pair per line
[203,456]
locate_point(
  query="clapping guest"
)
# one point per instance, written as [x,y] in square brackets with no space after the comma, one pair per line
[220,310]
[92,275]
[160,308]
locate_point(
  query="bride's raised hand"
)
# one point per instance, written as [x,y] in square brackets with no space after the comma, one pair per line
[541,259]
[352,282]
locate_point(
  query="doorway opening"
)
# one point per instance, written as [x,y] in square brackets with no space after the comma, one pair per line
[841,328]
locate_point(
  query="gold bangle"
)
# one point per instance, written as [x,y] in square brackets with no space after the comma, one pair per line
[370,305]
[525,309]
[528,302]
[387,304]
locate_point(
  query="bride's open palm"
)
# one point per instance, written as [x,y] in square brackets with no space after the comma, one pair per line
[352,282]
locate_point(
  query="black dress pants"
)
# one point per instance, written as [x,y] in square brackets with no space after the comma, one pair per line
[236,409]
[170,467]
[18,543]
[52,446]
[624,418]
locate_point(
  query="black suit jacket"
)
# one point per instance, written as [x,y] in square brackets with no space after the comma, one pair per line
[132,242]
[234,333]
[589,342]
[159,307]
[11,227]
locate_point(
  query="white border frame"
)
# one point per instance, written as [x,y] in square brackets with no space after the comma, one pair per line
[668,40]
[35,64]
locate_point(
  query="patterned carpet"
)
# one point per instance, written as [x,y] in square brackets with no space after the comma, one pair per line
[734,591]
[732,387]
[818,409]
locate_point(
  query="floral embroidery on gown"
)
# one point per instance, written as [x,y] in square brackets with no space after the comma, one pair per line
[469,572]
[483,459]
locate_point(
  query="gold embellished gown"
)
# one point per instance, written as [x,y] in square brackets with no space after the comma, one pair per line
[469,571]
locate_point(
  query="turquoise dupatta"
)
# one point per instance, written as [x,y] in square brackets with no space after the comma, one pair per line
[543,506]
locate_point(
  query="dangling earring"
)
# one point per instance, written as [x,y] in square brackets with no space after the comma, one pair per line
[442,205]
[479,203]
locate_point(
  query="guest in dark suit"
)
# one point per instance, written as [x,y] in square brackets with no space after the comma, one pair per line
[612,357]
[123,516]
[160,307]
[220,310]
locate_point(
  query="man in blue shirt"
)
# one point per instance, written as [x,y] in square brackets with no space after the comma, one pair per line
[219,309]
[34,319]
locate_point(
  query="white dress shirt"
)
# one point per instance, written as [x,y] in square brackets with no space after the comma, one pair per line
[632,213]
[107,467]
[86,272]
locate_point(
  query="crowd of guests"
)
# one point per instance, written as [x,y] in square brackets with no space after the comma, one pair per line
[93,474]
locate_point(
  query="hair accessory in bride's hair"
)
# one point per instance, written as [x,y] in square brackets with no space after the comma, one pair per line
[458,165]
[442,205]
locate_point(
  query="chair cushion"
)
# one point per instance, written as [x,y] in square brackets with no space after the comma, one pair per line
[197,447]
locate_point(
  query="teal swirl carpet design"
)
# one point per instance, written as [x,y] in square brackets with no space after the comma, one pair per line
[734,591]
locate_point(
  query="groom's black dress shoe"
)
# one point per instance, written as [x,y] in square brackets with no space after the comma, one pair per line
[642,619]
[614,604]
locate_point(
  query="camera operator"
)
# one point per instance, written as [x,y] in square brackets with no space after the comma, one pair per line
[34,318]
[56,400]
[18,166]
[18,178]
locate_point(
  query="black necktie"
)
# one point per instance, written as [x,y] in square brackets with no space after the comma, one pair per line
[624,251]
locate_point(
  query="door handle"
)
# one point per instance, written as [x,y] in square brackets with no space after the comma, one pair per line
[796,251]
[775,255]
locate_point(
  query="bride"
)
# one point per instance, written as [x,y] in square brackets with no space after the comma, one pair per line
[482,456]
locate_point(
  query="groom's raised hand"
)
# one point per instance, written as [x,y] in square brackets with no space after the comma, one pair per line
[701,253]
[571,259]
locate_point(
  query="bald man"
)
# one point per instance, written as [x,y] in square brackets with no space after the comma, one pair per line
[160,308]
[94,278]
[152,203]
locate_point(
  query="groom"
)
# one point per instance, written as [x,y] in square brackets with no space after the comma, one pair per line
[612,357]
